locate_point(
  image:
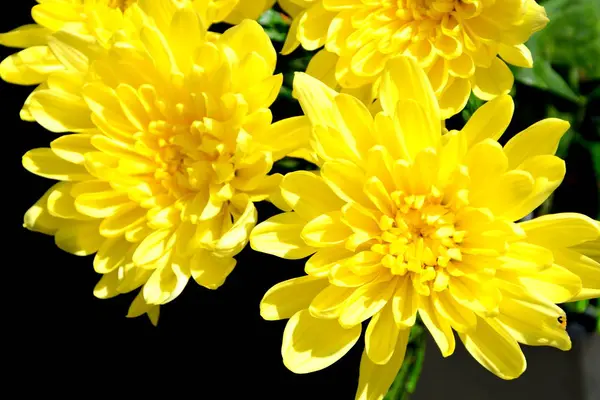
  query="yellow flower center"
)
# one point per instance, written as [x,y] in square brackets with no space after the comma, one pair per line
[421,239]
[187,156]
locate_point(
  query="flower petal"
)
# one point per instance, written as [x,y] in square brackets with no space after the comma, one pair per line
[490,120]
[493,347]
[287,298]
[493,81]
[534,323]
[44,162]
[381,336]
[309,195]
[404,79]
[281,236]
[561,230]
[311,344]
[375,380]
[438,326]
[210,270]
[541,138]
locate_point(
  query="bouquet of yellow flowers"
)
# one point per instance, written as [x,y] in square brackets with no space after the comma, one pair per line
[387,146]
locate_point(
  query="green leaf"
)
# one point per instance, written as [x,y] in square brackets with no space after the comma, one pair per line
[543,76]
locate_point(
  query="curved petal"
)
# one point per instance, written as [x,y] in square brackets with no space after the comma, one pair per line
[375,380]
[309,195]
[540,138]
[281,236]
[289,297]
[493,347]
[311,344]
[381,336]
[209,269]
[561,230]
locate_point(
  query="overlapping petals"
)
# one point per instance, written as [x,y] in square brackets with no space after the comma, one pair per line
[404,221]
[463,46]
[172,144]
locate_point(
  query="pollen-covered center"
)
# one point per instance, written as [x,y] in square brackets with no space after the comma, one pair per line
[422,239]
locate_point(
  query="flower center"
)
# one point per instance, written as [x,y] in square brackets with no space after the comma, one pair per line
[188,158]
[421,240]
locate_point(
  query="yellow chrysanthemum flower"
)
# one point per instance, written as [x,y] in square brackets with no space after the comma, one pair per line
[457,42]
[173,145]
[403,221]
[96,18]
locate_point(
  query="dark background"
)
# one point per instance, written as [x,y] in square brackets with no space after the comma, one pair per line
[60,339]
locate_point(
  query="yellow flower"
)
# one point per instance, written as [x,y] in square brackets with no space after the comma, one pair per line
[403,221]
[173,145]
[456,42]
[98,19]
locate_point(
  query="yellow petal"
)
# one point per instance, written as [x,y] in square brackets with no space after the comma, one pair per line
[493,81]
[548,173]
[490,120]
[460,318]
[366,300]
[405,303]
[79,238]
[321,263]
[534,323]
[556,284]
[312,344]
[454,98]
[493,347]
[346,180]
[584,267]
[210,270]
[166,283]
[518,55]
[30,66]
[309,195]
[404,79]
[38,218]
[313,26]
[60,112]
[281,236]
[25,36]
[316,99]
[417,129]
[72,148]
[44,162]
[235,239]
[326,230]
[111,255]
[153,247]
[107,286]
[375,380]
[285,136]
[381,336]
[328,304]
[561,230]
[438,326]
[287,298]
[540,138]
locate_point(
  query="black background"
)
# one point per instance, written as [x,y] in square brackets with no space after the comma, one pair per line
[59,339]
